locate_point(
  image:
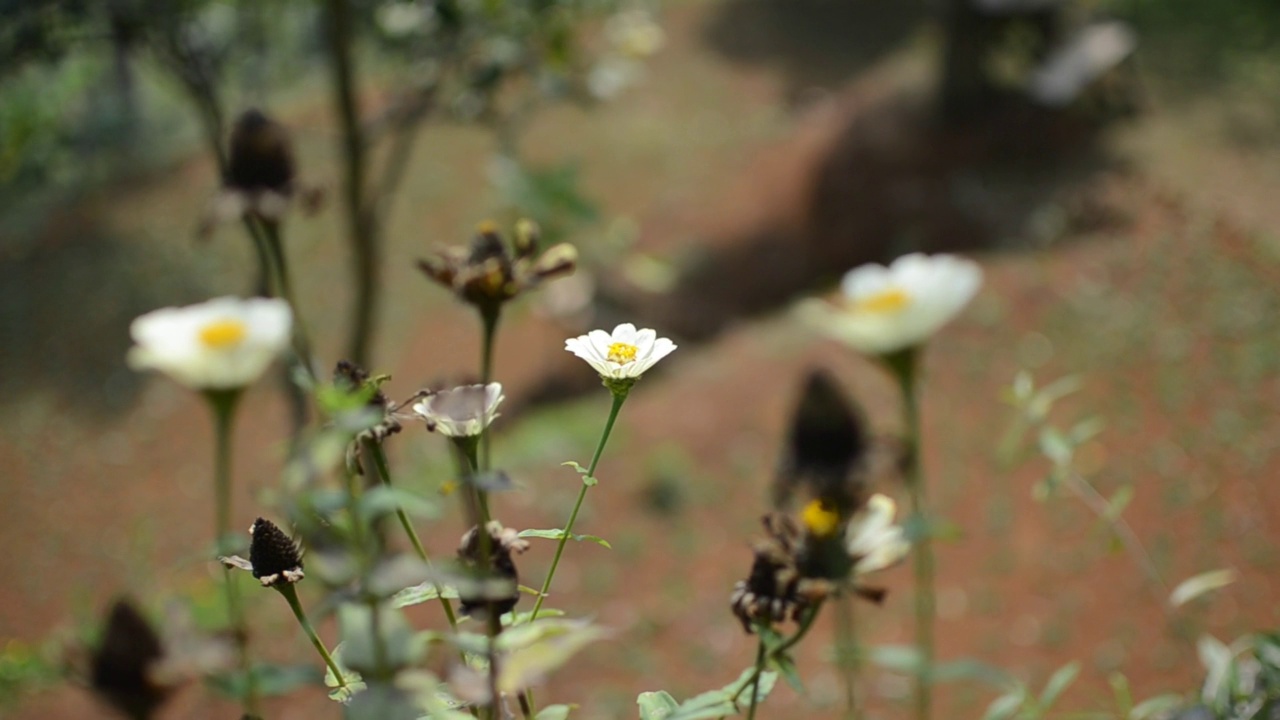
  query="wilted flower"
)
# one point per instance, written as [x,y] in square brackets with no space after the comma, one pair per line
[797,566]
[886,309]
[624,354]
[274,557]
[261,175]
[461,412]
[872,539]
[826,448]
[503,595]
[135,669]
[488,273]
[222,344]
[121,666]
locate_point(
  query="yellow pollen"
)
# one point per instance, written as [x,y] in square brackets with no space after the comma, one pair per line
[885,301]
[223,333]
[820,518]
[622,353]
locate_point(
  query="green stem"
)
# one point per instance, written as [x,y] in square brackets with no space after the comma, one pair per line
[284,288]
[489,319]
[379,456]
[805,625]
[618,399]
[847,653]
[905,367]
[223,404]
[291,596]
[755,681]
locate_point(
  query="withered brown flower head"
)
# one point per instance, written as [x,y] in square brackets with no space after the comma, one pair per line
[274,555]
[826,449]
[488,273]
[121,666]
[503,542]
[261,156]
[261,176]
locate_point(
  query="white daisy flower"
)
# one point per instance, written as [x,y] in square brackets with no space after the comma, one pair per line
[623,355]
[461,412]
[222,344]
[872,539]
[886,309]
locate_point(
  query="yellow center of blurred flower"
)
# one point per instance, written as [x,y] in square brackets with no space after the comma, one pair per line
[820,518]
[884,302]
[622,353]
[223,333]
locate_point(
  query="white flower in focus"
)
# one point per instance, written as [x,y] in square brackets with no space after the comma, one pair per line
[461,412]
[623,355]
[872,539]
[886,309]
[222,344]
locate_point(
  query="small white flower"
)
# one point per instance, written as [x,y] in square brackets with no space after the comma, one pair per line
[461,412]
[886,309]
[872,539]
[221,344]
[625,354]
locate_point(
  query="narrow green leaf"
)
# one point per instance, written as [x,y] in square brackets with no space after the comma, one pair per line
[554,712]
[581,470]
[1058,682]
[1055,446]
[1118,502]
[423,592]
[657,705]
[1194,587]
[900,658]
[1155,707]
[1005,706]
[558,533]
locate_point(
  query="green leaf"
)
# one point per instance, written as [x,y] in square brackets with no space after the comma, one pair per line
[536,649]
[559,533]
[1194,587]
[1118,502]
[1055,446]
[656,705]
[899,658]
[354,683]
[968,669]
[1058,682]
[523,618]
[423,592]
[1005,706]
[554,712]
[1155,707]
[786,667]
[382,500]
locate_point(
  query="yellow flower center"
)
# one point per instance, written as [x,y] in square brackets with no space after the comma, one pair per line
[622,353]
[820,518]
[223,333]
[884,302]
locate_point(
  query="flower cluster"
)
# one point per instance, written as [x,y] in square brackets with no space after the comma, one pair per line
[488,273]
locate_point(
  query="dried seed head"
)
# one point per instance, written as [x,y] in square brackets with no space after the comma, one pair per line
[502,543]
[261,155]
[121,666]
[274,556]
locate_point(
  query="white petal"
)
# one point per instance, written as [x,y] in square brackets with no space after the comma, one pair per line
[624,333]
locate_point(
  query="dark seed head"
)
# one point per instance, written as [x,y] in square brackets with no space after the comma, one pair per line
[120,671]
[261,156]
[274,556]
[824,446]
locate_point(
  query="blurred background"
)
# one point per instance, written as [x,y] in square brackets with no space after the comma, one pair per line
[1113,164]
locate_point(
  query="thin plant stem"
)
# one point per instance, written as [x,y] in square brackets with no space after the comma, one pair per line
[905,367]
[291,596]
[384,475]
[223,403]
[489,320]
[755,680]
[618,399]
[478,512]
[847,653]
[278,273]
[806,623]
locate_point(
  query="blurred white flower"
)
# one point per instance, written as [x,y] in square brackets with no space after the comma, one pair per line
[886,309]
[872,539]
[461,412]
[222,344]
[634,34]
[625,354]
[399,19]
[609,77]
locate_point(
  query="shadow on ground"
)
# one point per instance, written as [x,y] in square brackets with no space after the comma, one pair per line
[816,44]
